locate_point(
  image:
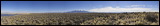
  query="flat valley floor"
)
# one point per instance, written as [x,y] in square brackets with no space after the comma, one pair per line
[147,18]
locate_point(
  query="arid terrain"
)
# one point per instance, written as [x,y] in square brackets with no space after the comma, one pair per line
[139,18]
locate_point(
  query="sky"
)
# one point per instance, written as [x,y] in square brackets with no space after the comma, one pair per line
[91,6]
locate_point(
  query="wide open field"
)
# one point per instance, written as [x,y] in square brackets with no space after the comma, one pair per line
[82,19]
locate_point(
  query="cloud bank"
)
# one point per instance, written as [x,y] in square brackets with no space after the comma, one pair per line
[137,6]
[118,9]
[13,12]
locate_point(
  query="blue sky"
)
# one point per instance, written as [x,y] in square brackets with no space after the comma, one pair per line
[92,6]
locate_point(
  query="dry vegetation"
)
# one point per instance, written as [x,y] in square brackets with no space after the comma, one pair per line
[82,19]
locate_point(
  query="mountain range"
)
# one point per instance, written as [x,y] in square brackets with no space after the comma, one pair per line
[78,11]
[74,11]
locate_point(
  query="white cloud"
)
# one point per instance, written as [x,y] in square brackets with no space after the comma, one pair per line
[118,9]
[14,12]
[136,6]
[5,11]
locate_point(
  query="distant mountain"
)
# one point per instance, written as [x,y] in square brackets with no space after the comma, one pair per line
[78,11]
[8,14]
[83,11]
[15,13]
